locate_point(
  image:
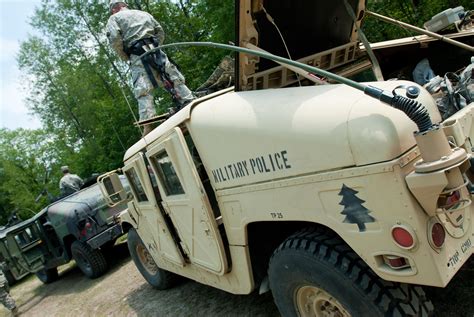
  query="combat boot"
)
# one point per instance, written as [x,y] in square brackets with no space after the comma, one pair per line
[15,312]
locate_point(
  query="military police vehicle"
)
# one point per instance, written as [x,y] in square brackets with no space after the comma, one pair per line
[80,226]
[337,202]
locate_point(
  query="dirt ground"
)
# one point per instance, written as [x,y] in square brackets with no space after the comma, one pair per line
[123,292]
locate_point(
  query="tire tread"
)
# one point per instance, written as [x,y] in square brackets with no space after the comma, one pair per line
[163,279]
[96,259]
[393,299]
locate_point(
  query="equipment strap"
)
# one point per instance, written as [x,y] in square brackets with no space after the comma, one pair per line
[156,61]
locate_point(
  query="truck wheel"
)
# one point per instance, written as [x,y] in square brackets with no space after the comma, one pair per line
[10,278]
[156,277]
[316,274]
[47,275]
[91,262]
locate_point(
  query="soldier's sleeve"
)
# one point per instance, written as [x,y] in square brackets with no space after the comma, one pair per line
[216,74]
[159,32]
[62,185]
[3,279]
[115,39]
[80,181]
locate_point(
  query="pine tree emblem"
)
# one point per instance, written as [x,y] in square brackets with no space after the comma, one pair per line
[354,211]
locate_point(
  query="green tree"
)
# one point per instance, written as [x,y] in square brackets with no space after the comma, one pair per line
[28,165]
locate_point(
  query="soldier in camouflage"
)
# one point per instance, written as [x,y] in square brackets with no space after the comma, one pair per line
[131,33]
[221,78]
[5,297]
[69,183]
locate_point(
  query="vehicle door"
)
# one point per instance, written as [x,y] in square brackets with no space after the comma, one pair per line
[152,226]
[27,249]
[185,200]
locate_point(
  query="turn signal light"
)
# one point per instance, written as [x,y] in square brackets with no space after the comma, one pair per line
[453,198]
[450,201]
[438,235]
[396,262]
[403,238]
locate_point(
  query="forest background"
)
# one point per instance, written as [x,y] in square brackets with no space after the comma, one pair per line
[82,93]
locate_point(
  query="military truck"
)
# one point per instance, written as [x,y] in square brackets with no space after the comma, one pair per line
[338,203]
[80,226]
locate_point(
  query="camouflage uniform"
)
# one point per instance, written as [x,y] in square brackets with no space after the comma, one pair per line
[123,29]
[5,297]
[222,77]
[70,183]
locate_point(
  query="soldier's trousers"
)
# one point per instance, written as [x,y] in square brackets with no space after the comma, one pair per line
[143,88]
[5,297]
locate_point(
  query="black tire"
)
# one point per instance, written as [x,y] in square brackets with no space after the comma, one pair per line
[10,278]
[91,261]
[312,269]
[48,275]
[156,277]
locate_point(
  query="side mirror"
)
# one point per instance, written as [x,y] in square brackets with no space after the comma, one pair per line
[112,189]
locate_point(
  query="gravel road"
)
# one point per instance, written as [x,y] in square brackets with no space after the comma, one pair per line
[123,292]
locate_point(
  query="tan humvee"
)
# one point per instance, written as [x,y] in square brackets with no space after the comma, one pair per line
[320,193]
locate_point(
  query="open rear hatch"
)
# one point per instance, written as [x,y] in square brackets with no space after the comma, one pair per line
[319,33]
[322,33]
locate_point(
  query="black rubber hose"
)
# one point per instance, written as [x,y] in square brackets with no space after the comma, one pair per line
[414,110]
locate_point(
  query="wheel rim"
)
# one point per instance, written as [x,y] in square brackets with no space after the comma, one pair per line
[82,262]
[312,301]
[146,259]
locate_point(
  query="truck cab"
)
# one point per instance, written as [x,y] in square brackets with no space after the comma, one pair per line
[333,200]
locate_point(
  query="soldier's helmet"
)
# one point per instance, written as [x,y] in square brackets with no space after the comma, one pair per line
[114,2]
[64,169]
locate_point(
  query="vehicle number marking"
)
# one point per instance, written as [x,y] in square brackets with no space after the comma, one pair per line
[454,259]
[276,215]
[465,247]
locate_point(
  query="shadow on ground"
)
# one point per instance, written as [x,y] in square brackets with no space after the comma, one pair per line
[456,299]
[190,298]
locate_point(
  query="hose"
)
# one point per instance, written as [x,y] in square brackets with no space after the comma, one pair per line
[415,111]
[412,108]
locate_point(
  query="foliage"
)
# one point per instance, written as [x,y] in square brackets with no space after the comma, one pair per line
[26,159]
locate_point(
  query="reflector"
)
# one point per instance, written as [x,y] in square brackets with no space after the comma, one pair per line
[453,198]
[396,262]
[403,237]
[438,235]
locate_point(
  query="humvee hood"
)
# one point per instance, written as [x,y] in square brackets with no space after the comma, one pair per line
[255,136]
[86,201]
